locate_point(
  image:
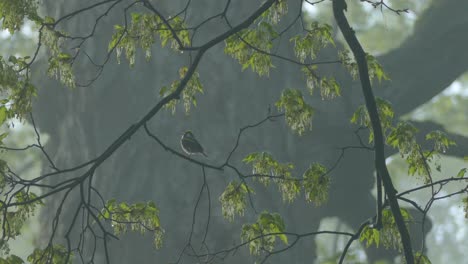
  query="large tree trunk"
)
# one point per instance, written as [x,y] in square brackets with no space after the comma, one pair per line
[83,122]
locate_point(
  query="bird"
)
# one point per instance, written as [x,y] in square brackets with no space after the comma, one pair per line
[190,145]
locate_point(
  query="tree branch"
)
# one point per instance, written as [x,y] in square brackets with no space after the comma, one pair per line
[339,6]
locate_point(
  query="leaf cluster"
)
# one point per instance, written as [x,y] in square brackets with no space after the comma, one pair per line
[276,11]
[233,199]
[15,88]
[142,32]
[388,236]
[51,254]
[13,13]
[261,235]
[298,113]
[266,169]
[316,38]
[141,217]
[251,47]
[315,180]
[192,88]
[386,114]
[12,221]
[374,67]
[316,184]
[402,136]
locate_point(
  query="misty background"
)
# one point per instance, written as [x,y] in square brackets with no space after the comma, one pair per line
[422,51]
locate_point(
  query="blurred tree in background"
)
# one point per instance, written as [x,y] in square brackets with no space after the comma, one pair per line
[112,162]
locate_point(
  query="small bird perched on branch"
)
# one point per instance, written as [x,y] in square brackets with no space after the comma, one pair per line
[190,145]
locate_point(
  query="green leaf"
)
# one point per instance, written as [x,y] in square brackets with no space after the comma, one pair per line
[465,206]
[192,88]
[403,137]
[3,114]
[316,184]
[264,165]
[12,259]
[262,234]
[329,88]
[349,63]
[283,238]
[142,32]
[461,173]
[298,113]
[441,141]
[60,68]
[163,90]
[375,69]
[317,37]
[49,20]
[65,57]
[360,116]
[386,114]
[13,59]
[276,11]
[136,16]
[390,236]
[51,254]
[233,199]
[14,13]
[371,236]
[240,47]
[141,217]
[421,258]
[250,158]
